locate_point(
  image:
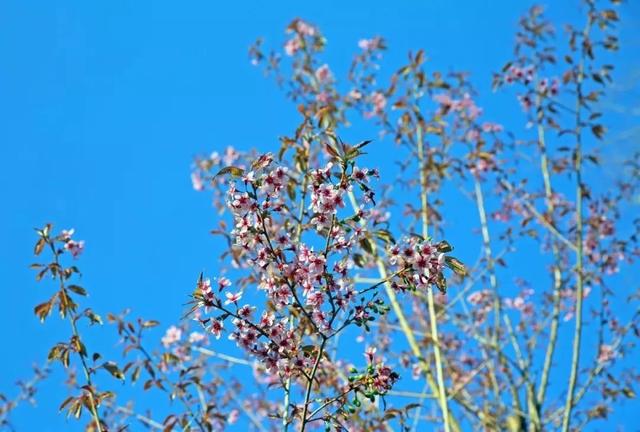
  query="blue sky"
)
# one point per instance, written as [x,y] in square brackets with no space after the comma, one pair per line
[104,105]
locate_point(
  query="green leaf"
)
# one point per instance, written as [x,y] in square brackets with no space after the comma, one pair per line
[444,246]
[456,265]
[363,143]
[66,402]
[441,283]
[359,260]
[598,131]
[94,318]
[366,245]
[332,150]
[136,374]
[150,323]
[41,274]
[385,236]
[232,170]
[55,352]
[39,246]
[113,369]
[43,310]
[77,289]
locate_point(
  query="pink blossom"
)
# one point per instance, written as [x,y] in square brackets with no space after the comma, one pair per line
[196,181]
[416,371]
[491,127]
[323,97]
[323,74]
[305,28]
[246,311]
[216,328]
[233,416]
[233,298]
[214,158]
[172,335]
[379,102]
[355,94]
[369,354]
[384,378]
[525,102]
[555,87]
[501,216]
[482,165]
[196,337]
[223,282]
[478,297]
[74,247]
[472,135]
[370,44]
[516,73]
[67,234]
[529,71]
[292,46]
[543,85]
[473,111]
[443,99]
[606,354]
[230,156]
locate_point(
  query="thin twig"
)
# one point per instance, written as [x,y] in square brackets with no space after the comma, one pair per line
[577,337]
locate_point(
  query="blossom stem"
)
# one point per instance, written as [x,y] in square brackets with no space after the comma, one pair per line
[497,308]
[307,396]
[287,385]
[557,276]
[433,320]
[327,403]
[72,320]
[577,337]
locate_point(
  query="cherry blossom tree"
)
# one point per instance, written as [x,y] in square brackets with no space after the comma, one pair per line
[339,285]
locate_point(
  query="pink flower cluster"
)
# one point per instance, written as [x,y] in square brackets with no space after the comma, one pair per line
[172,336]
[465,106]
[269,339]
[370,44]
[549,88]
[323,74]
[482,165]
[482,301]
[290,273]
[378,101]
[520,74]
[606,353]
[75,248]
[526,76]
[420,260]
[378,377]
[301,29]
[521,303]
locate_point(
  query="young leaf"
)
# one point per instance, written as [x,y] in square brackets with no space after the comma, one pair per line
[113,369]
[77,289]
[233,171]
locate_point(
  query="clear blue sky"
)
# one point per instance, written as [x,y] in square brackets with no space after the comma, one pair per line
[104,104]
